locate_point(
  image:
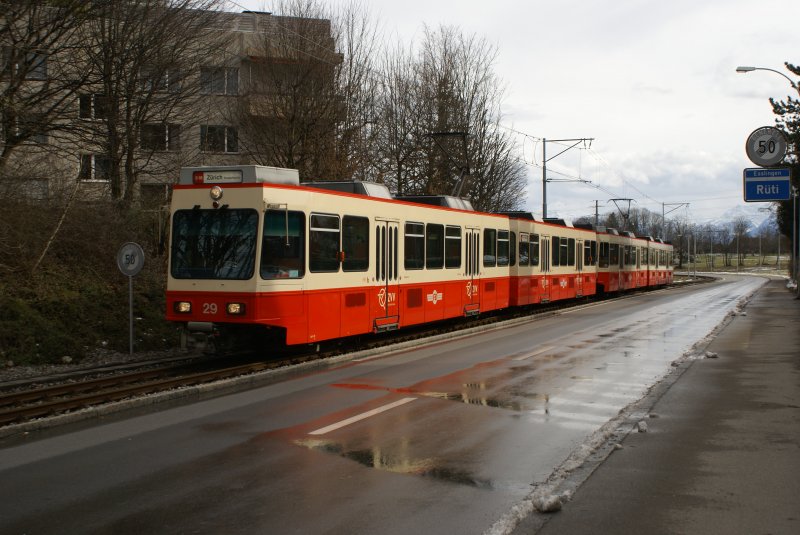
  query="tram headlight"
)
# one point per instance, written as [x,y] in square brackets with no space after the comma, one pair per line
[235,309]
[182,307]
[216,193]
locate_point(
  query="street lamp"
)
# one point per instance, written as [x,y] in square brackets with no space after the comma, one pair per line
[743,69]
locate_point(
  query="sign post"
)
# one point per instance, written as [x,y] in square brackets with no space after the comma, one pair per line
[130,260]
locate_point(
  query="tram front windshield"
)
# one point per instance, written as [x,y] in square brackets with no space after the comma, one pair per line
[214,244]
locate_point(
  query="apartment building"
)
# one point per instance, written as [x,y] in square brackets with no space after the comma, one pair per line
[237,93]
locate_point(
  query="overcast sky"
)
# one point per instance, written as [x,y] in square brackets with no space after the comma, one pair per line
[653,82]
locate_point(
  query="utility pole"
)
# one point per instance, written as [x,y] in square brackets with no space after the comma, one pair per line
[625,215]
[545,159]
[664,215]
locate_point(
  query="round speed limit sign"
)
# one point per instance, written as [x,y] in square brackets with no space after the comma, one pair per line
[130,259]
[766,146]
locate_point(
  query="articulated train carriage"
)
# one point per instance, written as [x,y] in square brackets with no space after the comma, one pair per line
[251,246]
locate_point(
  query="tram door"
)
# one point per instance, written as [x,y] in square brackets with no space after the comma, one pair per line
[545,265]
[472,248]
[387,314]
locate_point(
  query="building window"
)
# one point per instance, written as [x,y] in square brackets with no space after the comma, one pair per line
[25,128]
[36,66]
[161,137]
[95,167]
[216,138]
[93,106]
[219,80]
[160,79]
[31,65]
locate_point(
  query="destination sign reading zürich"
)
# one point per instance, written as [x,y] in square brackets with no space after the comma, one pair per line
[763,185]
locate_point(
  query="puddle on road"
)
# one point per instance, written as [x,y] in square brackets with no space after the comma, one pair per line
[387,461]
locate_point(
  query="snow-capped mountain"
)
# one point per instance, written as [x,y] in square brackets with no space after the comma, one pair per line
[760,215]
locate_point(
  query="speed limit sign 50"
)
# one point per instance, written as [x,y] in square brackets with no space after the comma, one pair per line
[766,146]
[130,259]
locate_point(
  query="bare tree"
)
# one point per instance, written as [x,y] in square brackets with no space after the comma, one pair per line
[39,71]
[357,39]
[145,58]
[292,109]
[740,226]
[448,87]
[399,132]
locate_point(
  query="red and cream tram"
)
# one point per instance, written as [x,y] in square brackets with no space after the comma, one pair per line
[250,245]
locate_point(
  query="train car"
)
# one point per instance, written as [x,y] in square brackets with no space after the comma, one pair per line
[659,270]
[556,260]
[251,246]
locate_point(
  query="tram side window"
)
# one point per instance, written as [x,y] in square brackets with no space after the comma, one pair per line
[630,255]
[503,251]
[534,249]
[323,243]
[452,247]
[613,254]
[603,259]
[589,252]
[283,245]
[355,243]
[415,246]
[489,247]
[434,246]
[556,251]
[524,250]
[570,251]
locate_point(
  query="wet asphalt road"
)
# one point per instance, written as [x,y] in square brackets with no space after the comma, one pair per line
[446,438]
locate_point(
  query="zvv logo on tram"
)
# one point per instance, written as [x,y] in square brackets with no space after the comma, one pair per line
[382,295]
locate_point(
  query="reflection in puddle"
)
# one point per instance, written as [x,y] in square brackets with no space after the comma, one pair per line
[476,398]
[380,459]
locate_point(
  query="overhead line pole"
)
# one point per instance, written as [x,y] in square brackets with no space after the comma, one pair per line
[664,215]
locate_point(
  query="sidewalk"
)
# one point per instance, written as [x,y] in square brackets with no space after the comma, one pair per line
[722,450]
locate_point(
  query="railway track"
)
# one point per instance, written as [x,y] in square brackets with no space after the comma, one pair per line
[27,404]
[42,397]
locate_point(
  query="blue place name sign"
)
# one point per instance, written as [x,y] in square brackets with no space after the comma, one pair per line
[763,185]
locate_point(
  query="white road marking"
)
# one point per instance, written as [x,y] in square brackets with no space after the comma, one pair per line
[537,352]
[362,416]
